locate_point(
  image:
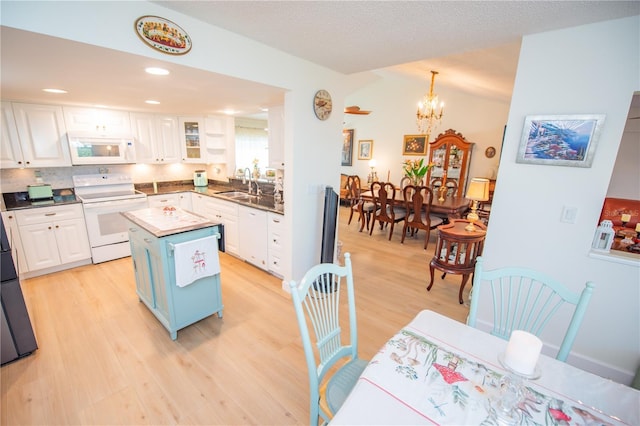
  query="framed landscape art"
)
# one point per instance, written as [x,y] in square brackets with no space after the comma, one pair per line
[365,149]
[560,140]
[414,145]
[347,147]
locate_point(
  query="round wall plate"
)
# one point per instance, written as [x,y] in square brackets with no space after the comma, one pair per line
[490,152]
[322,104]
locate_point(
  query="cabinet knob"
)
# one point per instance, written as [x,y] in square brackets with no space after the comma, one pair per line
[49,227]
[57,226]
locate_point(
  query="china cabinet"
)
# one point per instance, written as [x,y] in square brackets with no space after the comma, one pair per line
[451,154]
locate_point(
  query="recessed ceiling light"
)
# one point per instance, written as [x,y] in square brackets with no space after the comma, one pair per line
[152,102]
[229,112]
[54,90]
[156,71]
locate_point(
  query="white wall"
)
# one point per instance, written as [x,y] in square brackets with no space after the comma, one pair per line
[592,69]
[393,101]
[315,145]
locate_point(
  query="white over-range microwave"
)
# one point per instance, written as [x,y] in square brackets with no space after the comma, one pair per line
[92,149]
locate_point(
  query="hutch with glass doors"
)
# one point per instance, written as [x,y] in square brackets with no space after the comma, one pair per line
[451,154]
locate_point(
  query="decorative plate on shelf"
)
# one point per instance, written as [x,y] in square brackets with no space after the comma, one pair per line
[322,104]
[163,35]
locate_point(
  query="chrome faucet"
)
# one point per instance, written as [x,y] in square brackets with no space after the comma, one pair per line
[252,183]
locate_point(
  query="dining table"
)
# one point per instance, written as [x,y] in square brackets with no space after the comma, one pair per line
[439,371]
[451,207]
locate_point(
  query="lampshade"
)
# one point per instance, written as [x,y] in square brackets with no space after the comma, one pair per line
[478,189]
[372,162]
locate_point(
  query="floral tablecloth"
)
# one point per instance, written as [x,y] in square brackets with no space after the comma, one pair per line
[436,370]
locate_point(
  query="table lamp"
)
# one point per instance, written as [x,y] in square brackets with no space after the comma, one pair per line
[373,176]
[478,191]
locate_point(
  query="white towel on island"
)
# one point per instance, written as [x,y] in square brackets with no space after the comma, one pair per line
[196,259]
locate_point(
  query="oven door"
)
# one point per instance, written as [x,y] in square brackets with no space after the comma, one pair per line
[105,224]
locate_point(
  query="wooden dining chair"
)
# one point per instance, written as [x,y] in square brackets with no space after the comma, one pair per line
[524,299]
[451,186]
[316,299]
[384,194]
[417,201]
[357,204]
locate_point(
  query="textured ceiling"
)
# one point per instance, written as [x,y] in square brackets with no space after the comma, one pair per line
[472,44]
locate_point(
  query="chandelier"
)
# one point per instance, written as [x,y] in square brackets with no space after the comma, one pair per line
[428,115]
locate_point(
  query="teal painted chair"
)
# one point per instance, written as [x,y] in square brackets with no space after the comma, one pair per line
[524,299]
[317,303]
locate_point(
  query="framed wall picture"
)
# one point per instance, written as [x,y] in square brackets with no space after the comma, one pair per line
[347,147]
[560,140]
[414,145]
[365,149]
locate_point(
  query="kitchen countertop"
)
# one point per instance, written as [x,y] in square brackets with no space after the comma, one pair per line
[216,190]
[162,222]
[20,200]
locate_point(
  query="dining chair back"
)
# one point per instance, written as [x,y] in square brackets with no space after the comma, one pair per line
[417,201]
[451,186]
[524,299]
[318,306]
[384,195]
[357,204]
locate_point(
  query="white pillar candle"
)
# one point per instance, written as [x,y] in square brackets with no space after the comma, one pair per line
[522,352]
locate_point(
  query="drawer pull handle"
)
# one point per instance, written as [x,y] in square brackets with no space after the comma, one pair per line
[133,229]
[50,214]
[276,221]
[147,240]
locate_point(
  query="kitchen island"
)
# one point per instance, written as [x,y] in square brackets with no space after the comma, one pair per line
[176,265]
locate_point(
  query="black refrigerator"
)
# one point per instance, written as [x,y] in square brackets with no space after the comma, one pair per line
[17,338]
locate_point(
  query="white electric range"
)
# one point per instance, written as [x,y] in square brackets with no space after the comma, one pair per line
[104,197]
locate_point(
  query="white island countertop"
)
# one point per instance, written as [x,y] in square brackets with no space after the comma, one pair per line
[161,222]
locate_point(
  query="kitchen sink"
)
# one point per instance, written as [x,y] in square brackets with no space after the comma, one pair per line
[238,195]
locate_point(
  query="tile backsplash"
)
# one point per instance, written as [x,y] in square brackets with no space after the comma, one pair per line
[16,180]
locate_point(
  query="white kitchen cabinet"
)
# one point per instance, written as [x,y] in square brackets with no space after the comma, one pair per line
[157,138]
[11,152]
[220,139]
[37,139]
[276,137]
[220,211]
[192,139]
[13,234]
[97,121]
[53,236]
[252,227]
[275,244]
[179,199]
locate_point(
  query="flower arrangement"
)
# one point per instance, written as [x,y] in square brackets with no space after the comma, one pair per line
[416,169]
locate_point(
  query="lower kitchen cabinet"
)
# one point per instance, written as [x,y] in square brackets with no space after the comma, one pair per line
[275,249]
[53,236]
[155,273]
[13,234]
[220,211]
[252,224]
[180,199]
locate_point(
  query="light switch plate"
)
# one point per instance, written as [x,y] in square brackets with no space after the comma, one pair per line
[569,214]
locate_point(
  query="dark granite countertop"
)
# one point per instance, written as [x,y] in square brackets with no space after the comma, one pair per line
[215,189]
[20,200]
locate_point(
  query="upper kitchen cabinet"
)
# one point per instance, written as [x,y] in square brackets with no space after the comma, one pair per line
[33,136]
[219,137]
[451,154]
[97,121]
[192,139]
[276,137]
[157,138]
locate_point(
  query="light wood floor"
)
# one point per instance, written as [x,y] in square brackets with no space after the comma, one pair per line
[103,358]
